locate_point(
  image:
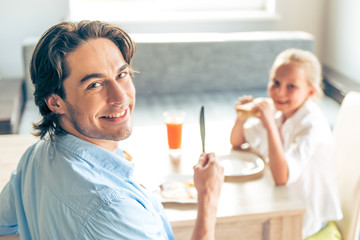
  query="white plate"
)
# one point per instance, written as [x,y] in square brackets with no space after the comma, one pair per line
[177,189]
[238,163]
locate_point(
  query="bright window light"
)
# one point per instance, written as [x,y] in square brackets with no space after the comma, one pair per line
[170,10]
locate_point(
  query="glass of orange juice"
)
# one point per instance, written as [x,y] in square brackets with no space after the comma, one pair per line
[174,121]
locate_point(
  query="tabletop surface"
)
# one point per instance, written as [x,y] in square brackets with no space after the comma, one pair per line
[148,147]
[256,194]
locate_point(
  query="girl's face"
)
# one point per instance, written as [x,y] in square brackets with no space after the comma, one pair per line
[289,88]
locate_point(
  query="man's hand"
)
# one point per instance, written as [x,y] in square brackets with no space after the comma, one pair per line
[208,176]
[208,179]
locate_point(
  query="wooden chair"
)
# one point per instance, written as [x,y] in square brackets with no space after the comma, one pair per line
[347,145]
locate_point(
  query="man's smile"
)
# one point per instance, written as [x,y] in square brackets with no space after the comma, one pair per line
[116,115]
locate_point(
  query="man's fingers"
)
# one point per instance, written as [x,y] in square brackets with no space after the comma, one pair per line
[205,158]
[202,161]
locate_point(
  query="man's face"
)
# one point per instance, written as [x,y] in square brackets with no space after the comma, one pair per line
[100,94]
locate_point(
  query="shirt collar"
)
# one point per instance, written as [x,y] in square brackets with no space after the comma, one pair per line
[95,155]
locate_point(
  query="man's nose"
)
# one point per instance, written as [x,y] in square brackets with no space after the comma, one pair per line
[116,94]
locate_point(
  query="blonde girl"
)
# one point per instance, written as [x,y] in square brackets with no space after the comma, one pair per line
[294,136]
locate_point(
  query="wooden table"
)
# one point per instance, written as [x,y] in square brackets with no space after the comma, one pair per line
[252,208]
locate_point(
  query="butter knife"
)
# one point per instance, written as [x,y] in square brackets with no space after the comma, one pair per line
[202,128]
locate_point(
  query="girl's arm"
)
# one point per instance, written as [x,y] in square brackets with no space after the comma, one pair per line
[277,161]
[237,133]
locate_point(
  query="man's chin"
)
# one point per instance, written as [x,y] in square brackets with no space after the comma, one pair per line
[121,132]
[123,137]
[124,134]
[119,135]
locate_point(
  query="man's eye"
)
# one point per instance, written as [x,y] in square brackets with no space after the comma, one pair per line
[94,85]
[122,75]
[276,83]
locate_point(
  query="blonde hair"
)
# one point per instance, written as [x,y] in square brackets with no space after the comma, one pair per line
[308,61]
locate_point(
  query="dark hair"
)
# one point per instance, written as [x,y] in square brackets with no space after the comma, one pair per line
[48,67]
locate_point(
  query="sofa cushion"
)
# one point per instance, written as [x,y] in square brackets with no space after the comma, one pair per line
[202,62]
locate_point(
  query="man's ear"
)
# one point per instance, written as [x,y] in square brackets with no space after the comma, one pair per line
[55,104]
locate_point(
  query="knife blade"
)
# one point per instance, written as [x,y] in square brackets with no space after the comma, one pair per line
[202,127]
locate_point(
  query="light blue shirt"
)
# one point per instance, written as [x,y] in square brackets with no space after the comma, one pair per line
[72,189]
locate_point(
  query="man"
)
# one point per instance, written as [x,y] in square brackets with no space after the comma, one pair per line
[75,183]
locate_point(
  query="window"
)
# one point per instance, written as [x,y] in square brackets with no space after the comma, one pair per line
[170,10]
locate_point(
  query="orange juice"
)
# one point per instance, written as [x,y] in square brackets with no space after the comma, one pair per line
[174,135]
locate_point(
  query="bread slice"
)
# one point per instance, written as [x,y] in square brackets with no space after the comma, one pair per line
[246,110]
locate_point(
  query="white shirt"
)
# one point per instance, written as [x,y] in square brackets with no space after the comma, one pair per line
[309,151]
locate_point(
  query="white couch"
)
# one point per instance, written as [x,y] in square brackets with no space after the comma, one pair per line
[187,70]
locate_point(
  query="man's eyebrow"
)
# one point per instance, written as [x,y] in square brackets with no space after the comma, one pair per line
[99,75]
[123,67]
[89,76]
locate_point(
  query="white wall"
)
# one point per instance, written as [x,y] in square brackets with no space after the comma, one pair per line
[20,19]
[23,18]
[342,38]
[304,15]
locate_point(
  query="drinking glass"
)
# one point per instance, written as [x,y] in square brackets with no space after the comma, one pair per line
[174,121]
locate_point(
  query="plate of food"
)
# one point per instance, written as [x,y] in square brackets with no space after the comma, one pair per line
[241,163]
[177,189]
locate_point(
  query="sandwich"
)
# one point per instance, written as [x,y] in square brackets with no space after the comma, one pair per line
[247,110]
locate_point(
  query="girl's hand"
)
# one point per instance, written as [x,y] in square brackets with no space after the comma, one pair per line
[264,110]
[242,101]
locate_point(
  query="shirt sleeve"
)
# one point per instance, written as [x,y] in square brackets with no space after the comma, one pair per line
[256,136]
[9,199]
[8,220]
[124,219]
[298,152]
